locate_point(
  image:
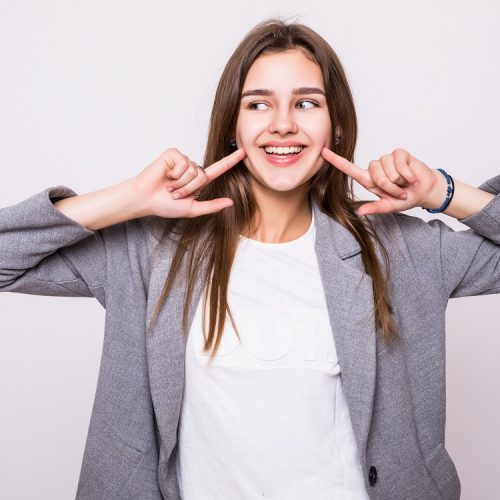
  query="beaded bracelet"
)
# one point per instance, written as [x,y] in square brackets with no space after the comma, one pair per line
[450,190]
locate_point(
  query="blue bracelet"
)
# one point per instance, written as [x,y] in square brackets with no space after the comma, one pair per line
[450,190]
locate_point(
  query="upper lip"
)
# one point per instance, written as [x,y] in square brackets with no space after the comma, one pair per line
[282,144]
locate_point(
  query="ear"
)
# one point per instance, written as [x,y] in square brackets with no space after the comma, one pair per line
[338,135]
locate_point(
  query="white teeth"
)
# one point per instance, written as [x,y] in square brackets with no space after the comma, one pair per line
[283,150]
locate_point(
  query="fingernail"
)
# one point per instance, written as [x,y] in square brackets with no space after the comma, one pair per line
[404,196]
[170,189]
[176,195]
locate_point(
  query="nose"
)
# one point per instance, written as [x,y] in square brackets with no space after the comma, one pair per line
[283,122]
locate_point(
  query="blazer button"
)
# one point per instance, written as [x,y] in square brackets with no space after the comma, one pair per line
[372,476]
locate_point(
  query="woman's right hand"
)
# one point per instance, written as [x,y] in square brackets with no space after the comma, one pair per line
[175,171]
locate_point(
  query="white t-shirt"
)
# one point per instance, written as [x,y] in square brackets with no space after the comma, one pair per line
[268,418]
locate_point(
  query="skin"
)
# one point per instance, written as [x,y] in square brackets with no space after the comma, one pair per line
[281,192]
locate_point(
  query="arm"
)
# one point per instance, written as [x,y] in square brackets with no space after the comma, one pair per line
[459,262]
[45,252]
[466,262]
[56,242]
[105,207]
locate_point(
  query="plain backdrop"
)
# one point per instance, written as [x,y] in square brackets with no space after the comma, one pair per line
[91,92]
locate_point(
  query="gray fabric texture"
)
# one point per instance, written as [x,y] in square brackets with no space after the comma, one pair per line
[395,394]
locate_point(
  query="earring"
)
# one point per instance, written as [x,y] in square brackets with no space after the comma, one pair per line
[232,143]
[337,140]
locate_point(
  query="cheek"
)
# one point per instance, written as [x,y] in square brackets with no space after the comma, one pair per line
[245,137]
[247,131]
[320,131]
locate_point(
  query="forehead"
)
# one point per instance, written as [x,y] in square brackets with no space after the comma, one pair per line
[283,70]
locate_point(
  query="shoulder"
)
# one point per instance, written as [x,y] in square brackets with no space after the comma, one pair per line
[412,241]
[409,228]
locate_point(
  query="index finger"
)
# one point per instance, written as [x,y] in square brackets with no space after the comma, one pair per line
[223,165]
[343,164]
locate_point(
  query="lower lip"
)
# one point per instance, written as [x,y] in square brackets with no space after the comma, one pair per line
[282,160]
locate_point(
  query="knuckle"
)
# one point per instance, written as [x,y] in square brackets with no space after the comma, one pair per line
[366,177]
[175,173]
[174,155]
[179,169]
[170,174]
[395,177]
[193,173]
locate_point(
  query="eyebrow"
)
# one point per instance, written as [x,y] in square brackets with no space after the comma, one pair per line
[298,91]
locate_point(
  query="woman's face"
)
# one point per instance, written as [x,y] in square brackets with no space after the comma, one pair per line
[283,105]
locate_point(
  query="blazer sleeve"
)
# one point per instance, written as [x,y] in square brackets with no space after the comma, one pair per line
[462,263]
[44,252]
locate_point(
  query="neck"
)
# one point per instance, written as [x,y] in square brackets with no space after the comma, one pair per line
[281,216]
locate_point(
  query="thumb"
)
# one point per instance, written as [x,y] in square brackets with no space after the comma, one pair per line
[375,207]
[209,206]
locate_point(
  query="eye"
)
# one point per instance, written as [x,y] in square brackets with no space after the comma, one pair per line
[254,105]
[308,101]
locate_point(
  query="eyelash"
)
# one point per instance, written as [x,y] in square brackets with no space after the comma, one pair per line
[250,106]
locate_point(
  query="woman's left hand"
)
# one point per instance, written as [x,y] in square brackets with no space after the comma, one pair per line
[392,177]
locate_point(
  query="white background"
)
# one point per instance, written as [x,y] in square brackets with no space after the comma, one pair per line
[91,92]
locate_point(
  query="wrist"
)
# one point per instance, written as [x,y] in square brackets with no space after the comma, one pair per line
[438,192]
[135,204]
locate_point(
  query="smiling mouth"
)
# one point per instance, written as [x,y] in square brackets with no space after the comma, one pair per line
[283,150]
[283,156]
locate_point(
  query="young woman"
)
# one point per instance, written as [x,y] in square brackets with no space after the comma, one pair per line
[267,335]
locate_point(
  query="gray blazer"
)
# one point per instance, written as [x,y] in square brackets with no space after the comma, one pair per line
[396,397]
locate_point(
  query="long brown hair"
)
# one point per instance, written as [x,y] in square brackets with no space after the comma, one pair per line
[212,240]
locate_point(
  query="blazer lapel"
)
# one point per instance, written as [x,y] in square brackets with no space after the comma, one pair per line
[166,347]
[349,298]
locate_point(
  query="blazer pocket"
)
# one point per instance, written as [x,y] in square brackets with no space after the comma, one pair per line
[108,465]
[443,472]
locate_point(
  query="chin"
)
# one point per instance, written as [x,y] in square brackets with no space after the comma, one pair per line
[279,179]
[281,187]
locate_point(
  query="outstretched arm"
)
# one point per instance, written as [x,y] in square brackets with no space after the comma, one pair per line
[461,263]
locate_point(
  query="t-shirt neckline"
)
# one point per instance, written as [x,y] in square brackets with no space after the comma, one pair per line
[296,241]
